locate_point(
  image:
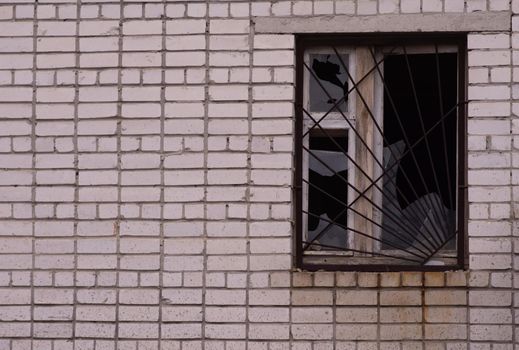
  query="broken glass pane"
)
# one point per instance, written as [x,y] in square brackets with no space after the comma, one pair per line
[327,192]
[419,201]
[332,85]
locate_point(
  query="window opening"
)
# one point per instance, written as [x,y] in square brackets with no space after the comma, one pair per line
[381,146]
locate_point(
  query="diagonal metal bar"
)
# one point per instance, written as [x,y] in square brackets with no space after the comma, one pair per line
[445,153]
[345,153]
[339,101]
[426,214]
[352,127]
[409,150]
[440,247]
[423,210]
[422,125]
[327,227]
[365,235]
[365,217]
[359,251]
[406,152]
[379,129]
[362,215]
[371,116]
[366,175]
[408,232]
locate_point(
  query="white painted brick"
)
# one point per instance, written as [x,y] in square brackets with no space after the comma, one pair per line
[16,29]
[272,92]
[184,331]
[15,45]
[15,94]
[410,6]
[181,43]
[142,27]
[496,92]
[223,59]
[489,109]
[432,6]
[482,58]
[476,5]
[97,94]
[499,5]
[388,6]
[98,28]
[228,92]
[269,331]
[273,58]
[302,7]
[367,7]
[484,127]
[183,59]
[228,26]
[187,93]
[184,161]
[219,10]
[454,5]
[227,42]
[490,261]
[185,26]
[218,194]
[488,41]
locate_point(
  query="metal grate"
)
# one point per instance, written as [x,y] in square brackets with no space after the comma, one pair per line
[380,165]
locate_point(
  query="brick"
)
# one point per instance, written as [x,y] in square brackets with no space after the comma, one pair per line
[445,332]
[345,279]
[445,314]
[225,297]
[228,26]
[269,297]
[142,27]
[454,6]
[400,332]
[390,279]
[400,315]
[353,297]
[489,298]
[269,331]
[227,331]
[356,315]
[16,29]
[14,296]
[15,94]
[184,331]
[185,26]
[409,297]
[98,28]
[489,315]
[456,279]
[445,297]
[311,331]
[356,332]
[491,332]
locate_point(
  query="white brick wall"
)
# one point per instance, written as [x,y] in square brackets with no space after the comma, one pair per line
[145,187]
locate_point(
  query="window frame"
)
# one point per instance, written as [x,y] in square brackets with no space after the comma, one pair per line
[304,42]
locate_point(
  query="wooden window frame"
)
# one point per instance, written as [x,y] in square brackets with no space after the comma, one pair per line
[308,42]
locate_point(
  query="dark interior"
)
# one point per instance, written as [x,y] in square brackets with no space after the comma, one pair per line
[441,161]
[320,203]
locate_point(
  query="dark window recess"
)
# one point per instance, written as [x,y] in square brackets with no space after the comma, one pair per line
[327,195]
[424,180]
[332,78]
[380,153]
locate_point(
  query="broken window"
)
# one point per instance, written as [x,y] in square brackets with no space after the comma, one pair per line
[380,145]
